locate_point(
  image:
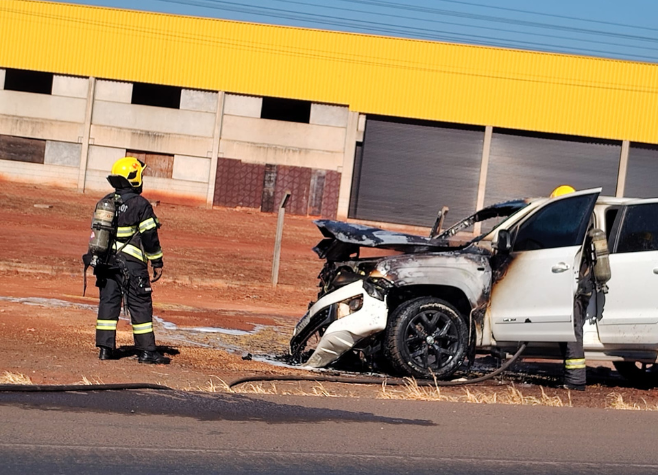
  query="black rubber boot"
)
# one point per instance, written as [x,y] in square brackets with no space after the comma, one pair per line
[106,353]
[152,357]
[574,387]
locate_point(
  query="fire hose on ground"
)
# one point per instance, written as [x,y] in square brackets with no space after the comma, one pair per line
[79,387]
[255,378]
[376,380]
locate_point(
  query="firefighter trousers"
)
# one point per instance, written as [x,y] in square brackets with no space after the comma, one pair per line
[575,368]
[136,285]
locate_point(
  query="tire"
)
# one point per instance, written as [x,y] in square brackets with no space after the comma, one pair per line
[641,374]
[426,337]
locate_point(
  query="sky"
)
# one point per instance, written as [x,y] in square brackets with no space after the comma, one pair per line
[603,28]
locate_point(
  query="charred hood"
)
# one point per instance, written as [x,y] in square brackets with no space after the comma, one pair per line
[341,240]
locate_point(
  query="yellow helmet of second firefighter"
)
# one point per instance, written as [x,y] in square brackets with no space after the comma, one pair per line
[131,169]
[562,190]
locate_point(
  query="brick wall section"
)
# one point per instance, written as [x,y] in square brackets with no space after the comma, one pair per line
[245,185]
[238,184]
[298,181]
[330,194]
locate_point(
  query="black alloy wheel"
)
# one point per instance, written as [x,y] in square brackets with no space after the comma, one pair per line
[426,338]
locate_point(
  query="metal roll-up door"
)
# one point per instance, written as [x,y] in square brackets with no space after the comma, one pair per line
[530,165]
[407,170]
[642,171]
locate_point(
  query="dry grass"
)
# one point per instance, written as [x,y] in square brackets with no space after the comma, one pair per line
[616,401]
[211,386]
[411,391]
[318,389]
[89,382]
[220,385]
[14,378]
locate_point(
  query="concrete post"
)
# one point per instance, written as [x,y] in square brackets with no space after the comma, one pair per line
[212,177]
[484,168]
[84,152]
[279,238]
[347,170]
[623,168]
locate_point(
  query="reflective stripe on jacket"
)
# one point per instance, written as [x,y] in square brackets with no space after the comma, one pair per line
[137,228]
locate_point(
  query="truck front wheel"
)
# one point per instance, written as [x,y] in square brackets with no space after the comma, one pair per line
[426,337]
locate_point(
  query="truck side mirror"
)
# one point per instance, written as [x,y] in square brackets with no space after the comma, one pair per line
[503,242]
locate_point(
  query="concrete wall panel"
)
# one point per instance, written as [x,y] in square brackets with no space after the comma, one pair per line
[151,141]
[102,158]
[113,91]
[2,79]
[70,86]
[38,173]
[175,191]
[96,181]
[244,106]
[202,101]
[40,129]
[324,114]
[40,106]
[262,153]
[62,153]
[283,134]
[191,168]
[164,189]
[154,119]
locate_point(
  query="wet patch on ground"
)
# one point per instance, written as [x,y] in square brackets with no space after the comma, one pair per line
[263,341]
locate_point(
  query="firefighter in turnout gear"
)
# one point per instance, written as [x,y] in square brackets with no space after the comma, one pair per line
[575,368]
[122,270]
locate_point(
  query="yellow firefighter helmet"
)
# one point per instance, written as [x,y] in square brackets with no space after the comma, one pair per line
[131,169]
[562,190]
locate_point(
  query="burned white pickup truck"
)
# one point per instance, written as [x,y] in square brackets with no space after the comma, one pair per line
[436,301]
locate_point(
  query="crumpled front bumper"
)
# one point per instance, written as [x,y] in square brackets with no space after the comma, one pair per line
[341,334]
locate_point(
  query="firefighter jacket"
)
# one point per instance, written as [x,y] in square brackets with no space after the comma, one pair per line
[137,229]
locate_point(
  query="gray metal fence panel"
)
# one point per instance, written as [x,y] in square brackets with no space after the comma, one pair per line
[642,172]
[529,165]
[410,169]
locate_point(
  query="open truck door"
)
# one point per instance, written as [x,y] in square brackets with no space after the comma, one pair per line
[533,294]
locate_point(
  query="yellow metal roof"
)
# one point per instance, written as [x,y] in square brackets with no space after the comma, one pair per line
[372,74]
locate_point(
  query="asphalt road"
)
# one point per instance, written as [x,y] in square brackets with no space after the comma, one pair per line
[135,432]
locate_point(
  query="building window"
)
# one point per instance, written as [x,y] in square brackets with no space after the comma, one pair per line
[29,81]
[290,110]
[156,95]
[22,149]
[157,164]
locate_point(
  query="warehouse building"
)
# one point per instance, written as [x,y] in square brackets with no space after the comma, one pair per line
[357,126]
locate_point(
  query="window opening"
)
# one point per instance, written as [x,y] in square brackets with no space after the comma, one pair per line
[156,95]
[22,80]
[22,149]
[289,110]
[157,164]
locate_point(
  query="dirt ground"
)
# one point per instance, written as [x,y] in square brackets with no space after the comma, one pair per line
[217,315]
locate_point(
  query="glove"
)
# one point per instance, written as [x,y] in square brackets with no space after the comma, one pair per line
[157,273]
